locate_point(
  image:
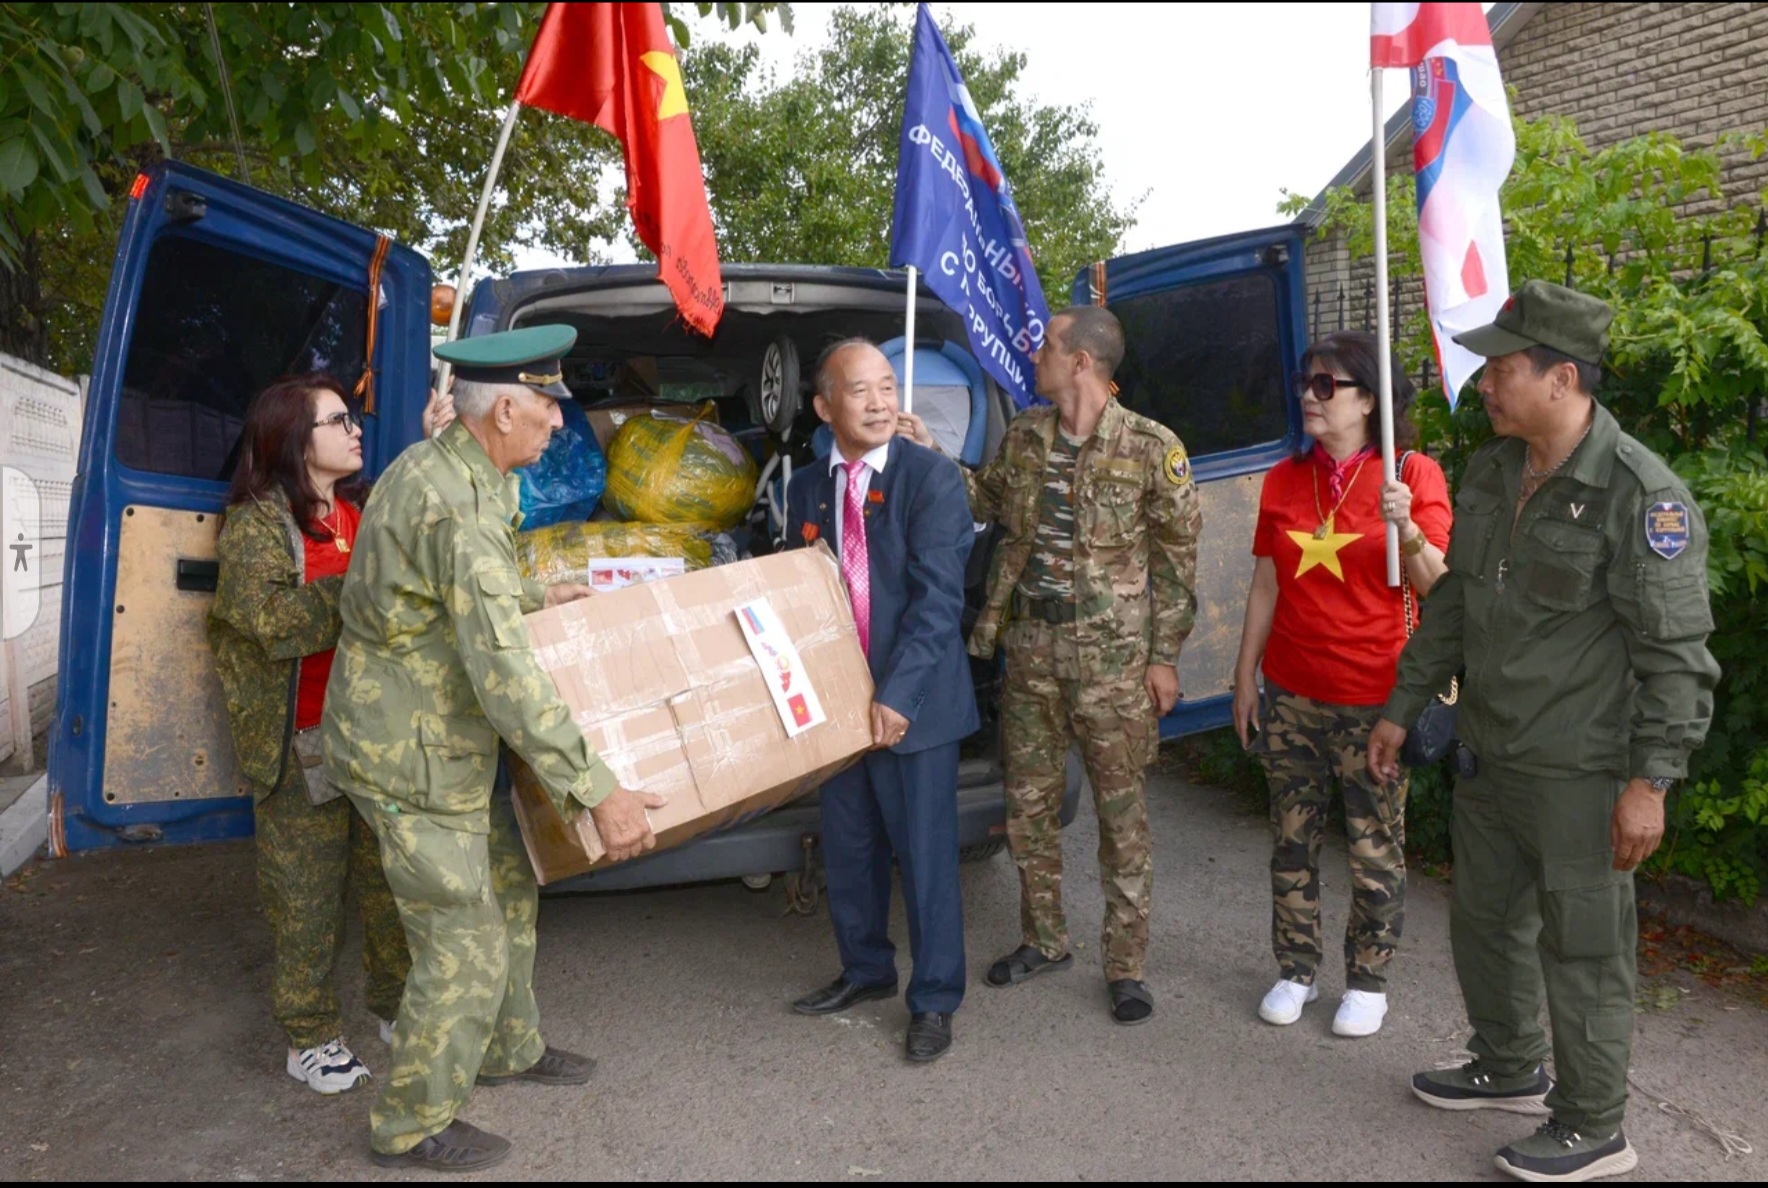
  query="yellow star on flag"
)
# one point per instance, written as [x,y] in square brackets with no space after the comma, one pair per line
[662,63]
[1322,551]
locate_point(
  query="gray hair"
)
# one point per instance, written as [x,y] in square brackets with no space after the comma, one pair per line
[823,376]
[474,398]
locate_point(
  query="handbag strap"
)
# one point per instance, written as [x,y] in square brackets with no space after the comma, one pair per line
[1409,607]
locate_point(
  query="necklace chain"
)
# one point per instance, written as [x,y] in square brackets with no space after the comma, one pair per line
[1539,475]
[1327,518]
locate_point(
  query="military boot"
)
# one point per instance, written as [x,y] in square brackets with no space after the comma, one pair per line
[1557,1152]
[1474,1087]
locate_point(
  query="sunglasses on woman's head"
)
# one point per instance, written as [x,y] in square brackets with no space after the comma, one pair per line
[1323,386]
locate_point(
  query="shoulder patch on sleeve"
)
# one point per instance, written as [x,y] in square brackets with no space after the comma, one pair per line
[1667,529]
[1176,466]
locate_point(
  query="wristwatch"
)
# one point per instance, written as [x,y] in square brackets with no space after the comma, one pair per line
[1662,784]
[1413,547]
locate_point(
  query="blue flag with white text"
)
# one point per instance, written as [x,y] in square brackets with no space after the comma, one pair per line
[956,222]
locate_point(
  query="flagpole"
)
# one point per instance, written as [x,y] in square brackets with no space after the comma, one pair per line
[466,265]
[908,346]
[1383,332]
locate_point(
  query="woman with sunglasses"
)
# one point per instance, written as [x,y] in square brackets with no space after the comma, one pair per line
[285,544]
[1326,629]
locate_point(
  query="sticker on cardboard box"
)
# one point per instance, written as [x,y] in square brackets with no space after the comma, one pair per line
[787,679]
[615,573]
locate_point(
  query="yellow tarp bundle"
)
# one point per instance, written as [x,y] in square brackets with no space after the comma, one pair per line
[667,471]
[561,553]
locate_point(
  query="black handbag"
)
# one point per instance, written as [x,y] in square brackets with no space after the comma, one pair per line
[1432,736]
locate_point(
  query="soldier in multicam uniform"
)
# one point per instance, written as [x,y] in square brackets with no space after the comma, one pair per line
[1093,584]
[434,665]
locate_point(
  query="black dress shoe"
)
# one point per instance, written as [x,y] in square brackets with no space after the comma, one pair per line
[840,994]
[930,1035]
[459,1147]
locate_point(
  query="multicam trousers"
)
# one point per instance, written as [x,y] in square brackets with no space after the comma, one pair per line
[307,858]
[469,904]
[1303,744]
[1113,721]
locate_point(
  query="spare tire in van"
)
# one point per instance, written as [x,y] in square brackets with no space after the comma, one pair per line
[668,470]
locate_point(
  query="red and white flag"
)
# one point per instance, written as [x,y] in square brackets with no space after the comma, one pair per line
[1462,149]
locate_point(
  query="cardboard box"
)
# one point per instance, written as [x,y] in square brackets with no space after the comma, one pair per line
[663,678]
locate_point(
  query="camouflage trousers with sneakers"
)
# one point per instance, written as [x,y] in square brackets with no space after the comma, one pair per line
[310,859]
[1304,746]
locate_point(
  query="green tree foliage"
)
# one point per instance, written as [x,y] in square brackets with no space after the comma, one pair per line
[804,168]
[382,114]
[1686,372]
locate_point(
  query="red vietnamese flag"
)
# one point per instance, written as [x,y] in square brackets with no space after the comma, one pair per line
[611,65]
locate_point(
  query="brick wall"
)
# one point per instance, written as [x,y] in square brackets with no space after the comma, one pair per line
[1618,70]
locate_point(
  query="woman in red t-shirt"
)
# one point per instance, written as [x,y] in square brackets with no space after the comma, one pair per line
[1325,627]
[286,541]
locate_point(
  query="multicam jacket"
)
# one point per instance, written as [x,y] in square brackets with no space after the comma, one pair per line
[265,619]
[1136,521]
[434,663]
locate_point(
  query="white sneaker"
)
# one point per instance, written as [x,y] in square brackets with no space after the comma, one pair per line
[387,1032]
[1283,1004]
[329,1068]
[1359,1013]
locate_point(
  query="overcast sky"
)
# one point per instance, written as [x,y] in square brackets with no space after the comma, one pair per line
[1205,111]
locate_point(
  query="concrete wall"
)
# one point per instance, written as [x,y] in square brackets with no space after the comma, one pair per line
[40,416]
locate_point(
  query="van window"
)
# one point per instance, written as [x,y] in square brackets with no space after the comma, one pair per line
[1205,361]
[212,329]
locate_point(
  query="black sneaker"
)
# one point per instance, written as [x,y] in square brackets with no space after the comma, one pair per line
[1557,1152]
[459,1147]
[1474,1087]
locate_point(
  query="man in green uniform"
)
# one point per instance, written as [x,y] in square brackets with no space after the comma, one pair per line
[433,667]
[1091,592]
[1576,600]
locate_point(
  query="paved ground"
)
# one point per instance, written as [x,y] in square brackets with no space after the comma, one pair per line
[136,1042]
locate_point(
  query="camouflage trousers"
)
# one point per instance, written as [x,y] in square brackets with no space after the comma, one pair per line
[308,859]
[1114,724]
[469,903]
[1304,744]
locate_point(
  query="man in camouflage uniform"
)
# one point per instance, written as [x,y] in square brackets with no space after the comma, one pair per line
[434,665]
[1092,581]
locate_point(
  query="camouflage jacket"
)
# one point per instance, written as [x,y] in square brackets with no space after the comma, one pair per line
[1136,520]
[265,618]
[434,663]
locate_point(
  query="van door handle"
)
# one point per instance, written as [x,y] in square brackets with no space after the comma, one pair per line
[199,576]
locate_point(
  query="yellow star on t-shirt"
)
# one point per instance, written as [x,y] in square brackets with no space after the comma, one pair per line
[1322,551]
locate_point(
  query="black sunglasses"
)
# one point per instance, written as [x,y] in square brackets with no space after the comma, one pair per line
[1323,386]
[347,420]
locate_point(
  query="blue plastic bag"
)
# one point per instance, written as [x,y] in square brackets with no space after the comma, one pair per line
[567,482]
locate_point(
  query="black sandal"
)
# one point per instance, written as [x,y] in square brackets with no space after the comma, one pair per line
[1023,964]
[1131,1002]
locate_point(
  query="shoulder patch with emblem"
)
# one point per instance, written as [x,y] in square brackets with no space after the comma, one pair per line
[1176,466]
[1666,528]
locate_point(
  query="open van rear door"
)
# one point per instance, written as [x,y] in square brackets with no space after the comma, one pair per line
[216,290]
[1212,330]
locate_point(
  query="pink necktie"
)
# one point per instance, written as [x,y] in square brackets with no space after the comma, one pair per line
[854,567]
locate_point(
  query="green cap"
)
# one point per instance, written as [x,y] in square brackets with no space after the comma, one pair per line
[1543,314]
[532,355]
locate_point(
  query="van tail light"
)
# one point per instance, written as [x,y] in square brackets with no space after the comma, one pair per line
[139,187]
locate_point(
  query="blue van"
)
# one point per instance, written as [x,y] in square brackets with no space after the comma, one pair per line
[218,287]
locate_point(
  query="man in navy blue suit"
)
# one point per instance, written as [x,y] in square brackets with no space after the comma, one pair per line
[897,518]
